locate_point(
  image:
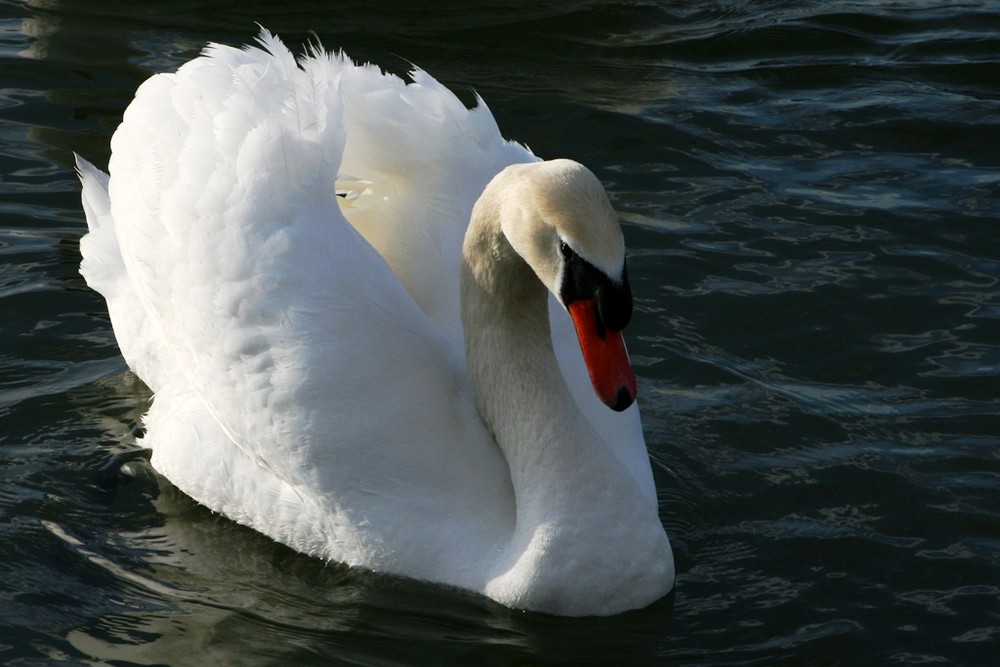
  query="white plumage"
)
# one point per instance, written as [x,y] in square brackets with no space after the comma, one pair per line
[306,349]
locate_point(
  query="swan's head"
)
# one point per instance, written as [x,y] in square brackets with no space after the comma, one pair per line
[557,217]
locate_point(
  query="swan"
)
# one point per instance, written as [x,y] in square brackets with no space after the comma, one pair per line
[376,331]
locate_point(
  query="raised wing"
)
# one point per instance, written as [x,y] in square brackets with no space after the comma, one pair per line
[294,373]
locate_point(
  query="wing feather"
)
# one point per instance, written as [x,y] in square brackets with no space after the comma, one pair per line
[263,320]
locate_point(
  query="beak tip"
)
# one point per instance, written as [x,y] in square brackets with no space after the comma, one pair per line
[623,400]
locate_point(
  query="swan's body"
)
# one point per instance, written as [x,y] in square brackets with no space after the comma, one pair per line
[307,352]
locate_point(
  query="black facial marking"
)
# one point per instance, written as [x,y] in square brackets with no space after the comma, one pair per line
[582,280]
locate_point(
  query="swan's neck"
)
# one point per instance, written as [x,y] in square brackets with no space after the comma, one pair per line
[520,391]
[580,515]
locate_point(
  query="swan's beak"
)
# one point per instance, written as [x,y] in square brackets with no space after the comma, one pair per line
[605,355]
[600,307]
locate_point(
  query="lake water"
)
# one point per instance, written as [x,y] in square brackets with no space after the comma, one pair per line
[810,194]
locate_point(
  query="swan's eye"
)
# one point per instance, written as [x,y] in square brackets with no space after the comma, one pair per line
[565,249]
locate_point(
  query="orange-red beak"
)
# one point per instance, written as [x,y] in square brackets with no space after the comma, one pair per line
[605,355]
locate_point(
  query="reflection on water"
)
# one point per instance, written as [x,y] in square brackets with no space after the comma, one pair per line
[809,192]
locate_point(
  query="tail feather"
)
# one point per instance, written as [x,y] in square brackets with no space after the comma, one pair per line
[102,264]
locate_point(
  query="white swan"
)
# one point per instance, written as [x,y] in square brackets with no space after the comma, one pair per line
[307,351]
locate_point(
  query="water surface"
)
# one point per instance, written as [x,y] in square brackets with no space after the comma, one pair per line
[810,194]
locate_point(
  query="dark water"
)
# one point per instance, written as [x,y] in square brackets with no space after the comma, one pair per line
[810,193]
